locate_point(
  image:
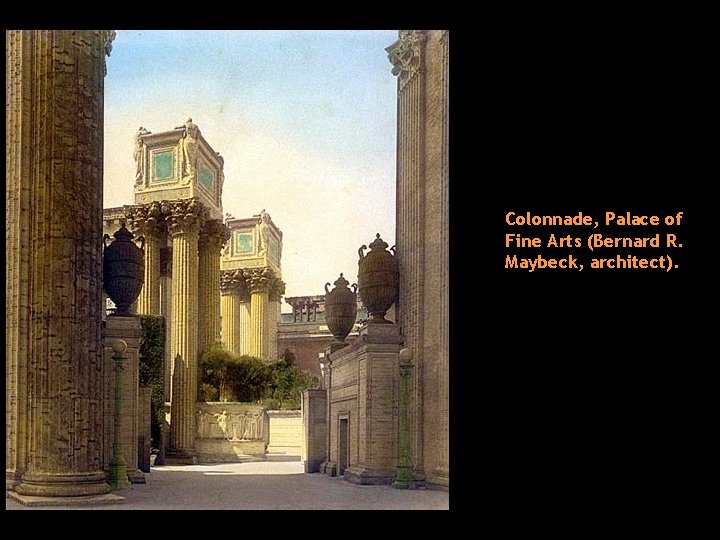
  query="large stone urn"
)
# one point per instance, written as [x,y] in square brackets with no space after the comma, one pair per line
[340,308]
[378,279]
[123,270]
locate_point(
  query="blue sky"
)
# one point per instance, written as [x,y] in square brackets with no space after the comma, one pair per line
[305,121]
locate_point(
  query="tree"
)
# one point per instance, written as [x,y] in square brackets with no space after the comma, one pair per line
[239,378]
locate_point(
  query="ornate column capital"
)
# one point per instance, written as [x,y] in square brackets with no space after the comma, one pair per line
[277,289]
[233,282]
[215,233]
[406,55]
[184,216]
[259,279]
[146,219]
[107,37]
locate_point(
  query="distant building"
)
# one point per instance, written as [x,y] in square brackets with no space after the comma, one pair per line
[305,333]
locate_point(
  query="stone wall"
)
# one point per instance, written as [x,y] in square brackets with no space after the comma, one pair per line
[363,401]
[314,424]
[285,433]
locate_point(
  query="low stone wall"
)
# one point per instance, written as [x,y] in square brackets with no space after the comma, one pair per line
[285,433]
[230,431]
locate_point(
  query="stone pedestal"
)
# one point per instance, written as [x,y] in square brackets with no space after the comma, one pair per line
[314,413]
[54,353]
[363,401]
[127,329]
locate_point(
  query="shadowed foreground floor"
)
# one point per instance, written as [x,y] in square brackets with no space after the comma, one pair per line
[258,486]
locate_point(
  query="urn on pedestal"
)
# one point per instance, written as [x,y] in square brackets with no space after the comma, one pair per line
[123,270]
[378,279]
[340,308]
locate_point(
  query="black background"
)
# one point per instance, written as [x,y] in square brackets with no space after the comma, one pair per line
[587,378]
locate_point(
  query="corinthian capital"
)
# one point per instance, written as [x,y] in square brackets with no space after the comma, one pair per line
[259,279]
[215,233]
[277,289]
[184,216]
[233,282]
[406,55]
[146,219]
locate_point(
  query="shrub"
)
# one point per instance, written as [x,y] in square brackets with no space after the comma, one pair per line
[151,372]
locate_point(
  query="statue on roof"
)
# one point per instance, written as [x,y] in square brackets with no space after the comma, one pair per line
[190,138]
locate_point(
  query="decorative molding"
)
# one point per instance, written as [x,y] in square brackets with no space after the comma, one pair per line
[233,282]
[107,37]
[146,219]
[277,289]
[184,216]
[259,279]
[406,55]
[215,233]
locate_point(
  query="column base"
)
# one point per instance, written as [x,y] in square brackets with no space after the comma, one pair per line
[329,468]
[136,477]
[118,476]
[367,476]
[404,479]
[86,500]
[181,457]
[63,484]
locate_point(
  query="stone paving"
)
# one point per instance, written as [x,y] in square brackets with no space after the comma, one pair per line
[261,485]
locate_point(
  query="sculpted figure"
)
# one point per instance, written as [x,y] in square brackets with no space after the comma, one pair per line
[190,138]
[137,154]
[221,419]
[264,230]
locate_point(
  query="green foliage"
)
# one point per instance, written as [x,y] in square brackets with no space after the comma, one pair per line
[287,383]
[151,373]
[229,377]
[237,378]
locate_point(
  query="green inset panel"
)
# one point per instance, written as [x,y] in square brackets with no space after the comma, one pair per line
[163,165]
[273,249]
[207,178]
[243,242]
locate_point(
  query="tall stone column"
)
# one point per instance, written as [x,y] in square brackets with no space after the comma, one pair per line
[407,57]
[148,221]
[184,219]
[233,290]
[277,289]
[259,280]
[54,175]
[212,237]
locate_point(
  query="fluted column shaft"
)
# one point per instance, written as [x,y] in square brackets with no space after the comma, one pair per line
[147,221]
[230,305]
[244,329]
[212,237]
[184,225]
[54,150]
[259,280]
[234,292]
[277,289]
[258,323]
[410,209]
